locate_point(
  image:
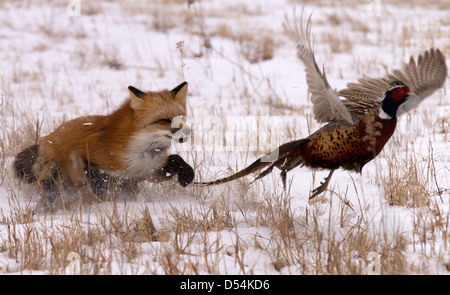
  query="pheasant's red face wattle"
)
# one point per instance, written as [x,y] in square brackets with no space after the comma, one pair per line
[399,93]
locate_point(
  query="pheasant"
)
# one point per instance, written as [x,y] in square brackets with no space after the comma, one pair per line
[357,126]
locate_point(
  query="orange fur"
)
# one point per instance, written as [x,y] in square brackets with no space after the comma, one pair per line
[131,143]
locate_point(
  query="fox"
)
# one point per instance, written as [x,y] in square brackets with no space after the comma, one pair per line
[115,152]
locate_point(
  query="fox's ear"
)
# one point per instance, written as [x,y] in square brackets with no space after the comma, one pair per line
[180,92]
[136,92]
[137,98]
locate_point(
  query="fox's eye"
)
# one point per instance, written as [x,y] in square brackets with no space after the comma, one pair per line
[164,121]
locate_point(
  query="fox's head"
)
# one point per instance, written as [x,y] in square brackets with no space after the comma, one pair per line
[154,127]
[158,108]
[155,111]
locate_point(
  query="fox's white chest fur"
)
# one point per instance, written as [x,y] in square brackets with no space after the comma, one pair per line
[146,153]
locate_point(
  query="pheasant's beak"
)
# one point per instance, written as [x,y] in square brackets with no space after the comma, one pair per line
[411,93]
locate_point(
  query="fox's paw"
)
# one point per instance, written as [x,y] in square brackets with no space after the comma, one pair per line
[186,176]
[176,165]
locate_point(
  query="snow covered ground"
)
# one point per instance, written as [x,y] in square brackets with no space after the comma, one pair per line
[63,59]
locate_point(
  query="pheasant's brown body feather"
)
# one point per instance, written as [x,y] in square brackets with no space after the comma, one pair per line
[348,148]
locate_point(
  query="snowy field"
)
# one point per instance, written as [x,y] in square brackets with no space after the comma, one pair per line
[64,59]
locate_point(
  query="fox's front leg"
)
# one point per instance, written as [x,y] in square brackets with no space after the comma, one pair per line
[175,165]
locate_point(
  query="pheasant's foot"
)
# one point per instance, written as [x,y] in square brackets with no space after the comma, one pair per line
[323,186]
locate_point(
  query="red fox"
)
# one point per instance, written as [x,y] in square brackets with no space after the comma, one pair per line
[128,146]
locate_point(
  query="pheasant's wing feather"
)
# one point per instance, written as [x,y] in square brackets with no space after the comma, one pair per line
[423,77]
[365,96]
[327,107]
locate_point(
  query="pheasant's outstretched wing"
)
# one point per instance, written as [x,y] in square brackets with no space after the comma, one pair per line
[327,107]
[423,77]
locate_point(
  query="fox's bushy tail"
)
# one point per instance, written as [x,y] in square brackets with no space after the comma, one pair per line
[24,161]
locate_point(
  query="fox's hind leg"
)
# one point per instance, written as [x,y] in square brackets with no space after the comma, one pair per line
[76,170]
[45,168]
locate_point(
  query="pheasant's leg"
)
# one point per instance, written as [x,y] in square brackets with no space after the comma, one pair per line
[323,186]
[283,178]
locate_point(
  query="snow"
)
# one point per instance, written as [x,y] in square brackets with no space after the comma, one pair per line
[56,67]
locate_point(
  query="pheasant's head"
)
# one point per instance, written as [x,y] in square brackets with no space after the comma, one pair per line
[396,95]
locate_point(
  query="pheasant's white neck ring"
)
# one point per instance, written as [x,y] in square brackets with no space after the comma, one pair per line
[382,114]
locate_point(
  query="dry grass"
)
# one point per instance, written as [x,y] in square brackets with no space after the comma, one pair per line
[338,43]
[191,235]
[405,187]
[439,4]
[237,227]
[256,48]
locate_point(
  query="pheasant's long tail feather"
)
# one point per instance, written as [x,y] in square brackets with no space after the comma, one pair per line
[269,169]
[254,167]
[284,152]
